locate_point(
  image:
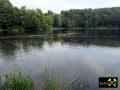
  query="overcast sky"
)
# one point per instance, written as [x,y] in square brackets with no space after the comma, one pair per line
[58,5]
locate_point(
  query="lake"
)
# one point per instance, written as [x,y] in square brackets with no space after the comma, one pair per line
[68,58]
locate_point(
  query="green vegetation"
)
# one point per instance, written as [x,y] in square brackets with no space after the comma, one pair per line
[16,30]
[87,18]
[17,21]
[17,82]
[49,83]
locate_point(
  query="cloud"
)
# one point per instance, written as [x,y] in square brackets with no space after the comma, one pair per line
[58,5]
[116,2]
[43,4]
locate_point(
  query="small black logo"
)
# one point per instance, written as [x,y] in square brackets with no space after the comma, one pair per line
[108,82]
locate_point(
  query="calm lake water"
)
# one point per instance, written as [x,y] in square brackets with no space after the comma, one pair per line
[69,58]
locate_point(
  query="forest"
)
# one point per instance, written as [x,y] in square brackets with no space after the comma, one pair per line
[17,21]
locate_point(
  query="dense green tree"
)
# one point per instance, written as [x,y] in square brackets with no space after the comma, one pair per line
[49,13]
[48,20]
[23,20]
[57,20]
[31,20]
[103,17]
[6,12]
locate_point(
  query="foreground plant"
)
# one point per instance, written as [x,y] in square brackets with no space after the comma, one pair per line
[49,82]
[17,82]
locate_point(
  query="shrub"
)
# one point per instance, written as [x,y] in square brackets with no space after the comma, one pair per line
[16,30]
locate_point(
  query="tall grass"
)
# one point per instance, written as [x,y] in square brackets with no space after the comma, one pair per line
[49,83]
[53,82]
[17,82]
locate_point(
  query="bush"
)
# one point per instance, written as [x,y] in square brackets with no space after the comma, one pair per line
[16,30]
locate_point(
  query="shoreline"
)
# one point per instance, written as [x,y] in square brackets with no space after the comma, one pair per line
[90,28]
[55,36]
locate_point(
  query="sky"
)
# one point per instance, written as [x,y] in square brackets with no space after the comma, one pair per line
[58,5]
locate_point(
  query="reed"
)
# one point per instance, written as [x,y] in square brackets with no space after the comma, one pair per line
[17,81]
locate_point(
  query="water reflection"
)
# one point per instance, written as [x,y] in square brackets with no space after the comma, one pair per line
[70,57]
[9,47]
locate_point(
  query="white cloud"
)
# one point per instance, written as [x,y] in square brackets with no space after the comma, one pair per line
[115,2]
[58,5]
[43,4]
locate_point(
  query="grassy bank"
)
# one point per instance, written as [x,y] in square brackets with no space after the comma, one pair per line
[18,81]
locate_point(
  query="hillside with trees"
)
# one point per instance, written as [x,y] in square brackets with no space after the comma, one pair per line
[103,17]
[14,20]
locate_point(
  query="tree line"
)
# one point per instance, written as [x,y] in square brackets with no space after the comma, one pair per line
[14,20]
[21,20]
[103,17]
